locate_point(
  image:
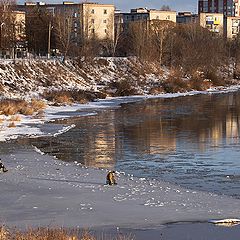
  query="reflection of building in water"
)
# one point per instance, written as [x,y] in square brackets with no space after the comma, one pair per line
[102,151]
[232,128]
[102,144]
[202,141]
[151,137]
[228,126]
[163,140]
[162,144]
[216,133]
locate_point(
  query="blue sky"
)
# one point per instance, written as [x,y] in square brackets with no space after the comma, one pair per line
[125,5]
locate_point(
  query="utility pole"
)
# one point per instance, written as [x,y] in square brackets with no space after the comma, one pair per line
[1,34]
[1,31]
[49,39]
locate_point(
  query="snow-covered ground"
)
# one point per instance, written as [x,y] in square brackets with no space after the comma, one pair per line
[39,190]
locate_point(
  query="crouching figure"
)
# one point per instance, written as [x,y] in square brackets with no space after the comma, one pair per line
[2,167]
[110,179]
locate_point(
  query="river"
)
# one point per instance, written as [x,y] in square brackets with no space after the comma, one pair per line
[192,141]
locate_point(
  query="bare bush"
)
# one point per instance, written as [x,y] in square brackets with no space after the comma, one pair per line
[13,107]
[70,96]
[123,88]
[175,83]
[214,77]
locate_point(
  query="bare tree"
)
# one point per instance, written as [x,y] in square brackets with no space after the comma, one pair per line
[64,31]
[234,55]
[165,8]
[196,48]
[114,33]
[139,34]
[159,33]
[38,22]
[7,26]
[89,38]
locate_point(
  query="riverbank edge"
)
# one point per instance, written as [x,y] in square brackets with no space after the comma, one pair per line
[24,125]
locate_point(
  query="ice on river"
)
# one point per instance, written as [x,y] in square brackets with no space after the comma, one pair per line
[39,190]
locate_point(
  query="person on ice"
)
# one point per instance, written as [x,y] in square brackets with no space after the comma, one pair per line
[110,179]
[2,167]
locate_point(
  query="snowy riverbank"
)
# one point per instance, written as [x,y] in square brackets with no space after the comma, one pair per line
[33,126]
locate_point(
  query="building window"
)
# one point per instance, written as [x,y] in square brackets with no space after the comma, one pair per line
[92,21]
[105,11]
[105,30]
[93,30]
[92,11]
[104,21]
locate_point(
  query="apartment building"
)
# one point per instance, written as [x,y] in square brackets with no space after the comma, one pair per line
[20,33]
[144,14]
[232,27]
[212,21]
[187,18]
[229,8]
[230,11]
[88,19]
[97,20]
[12,35]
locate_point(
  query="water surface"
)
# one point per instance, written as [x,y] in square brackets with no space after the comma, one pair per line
[192,141]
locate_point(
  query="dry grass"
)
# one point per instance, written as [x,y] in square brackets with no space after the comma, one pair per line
[38,105]
[27,110]
[15,118]
[12,125]
[175,83]
[63,99]
[13,107]
[70,96]
[45,234]
[123,88]
[214,78]
[55,234]
[4,233]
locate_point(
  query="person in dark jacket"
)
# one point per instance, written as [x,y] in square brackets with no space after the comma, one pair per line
[110,179]
[2,167]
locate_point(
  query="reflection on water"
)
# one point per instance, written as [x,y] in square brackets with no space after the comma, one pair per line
[192,141]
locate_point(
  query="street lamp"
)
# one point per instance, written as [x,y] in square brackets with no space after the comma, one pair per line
[49,39]
[1,25]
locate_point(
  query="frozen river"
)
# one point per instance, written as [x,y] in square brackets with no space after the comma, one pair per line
[192,141]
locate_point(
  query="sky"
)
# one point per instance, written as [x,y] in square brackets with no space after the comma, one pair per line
[126,5]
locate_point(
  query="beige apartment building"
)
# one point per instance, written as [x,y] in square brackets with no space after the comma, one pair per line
[214,22]
[89,19]
[97,20]
[19,23]
[144,14]
[162,15]
[13,36]
[231,27]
